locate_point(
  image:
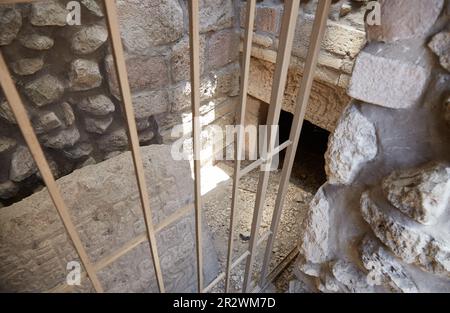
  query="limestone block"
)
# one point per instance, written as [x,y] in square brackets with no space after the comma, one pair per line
[215,15]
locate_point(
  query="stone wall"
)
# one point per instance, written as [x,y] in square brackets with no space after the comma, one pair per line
[344,38]
[382,220]
[66,78]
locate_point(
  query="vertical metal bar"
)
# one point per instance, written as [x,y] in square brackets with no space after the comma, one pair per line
[250,18]
[194,41]
[24,124]
[119,60]
[300,110]
[280,76]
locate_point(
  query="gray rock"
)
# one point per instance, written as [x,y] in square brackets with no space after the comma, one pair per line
[327,283]
[68,116]
[44,90]
[84,75]
[22,164]
[10,24]
[215,15]
[62,139]
[146,135]
[89,161]
[410,242]
[6,112]
[97,125]
[27,66]
[387,82]
[307,267]
[384,268]
[97,105]
[48,13]
[405,19]
[149,103]
[53,167]
[113,141]
[315,230]
[421,193]
[8,189]
[88,39]
[36,42]
[142,124]
[46,121]
[79,151]
[94,7]
[6,144]
[349,275]
[440,44]
[353,143]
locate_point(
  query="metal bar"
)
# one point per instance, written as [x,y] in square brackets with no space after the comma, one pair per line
[119,61]
[280,76]
[300,110]
[250,18]
[260,161]
[194,41]
[24,124]
[235,263]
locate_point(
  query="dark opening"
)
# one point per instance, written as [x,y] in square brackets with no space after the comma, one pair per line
[309,165]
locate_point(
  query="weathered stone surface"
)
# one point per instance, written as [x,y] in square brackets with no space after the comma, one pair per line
[6,144]
[6,113]
[27,66]
[79,151]
[147,23]
[410,242]
[84,75]
[63,139]
[113,141]
[8,189]
[215,14]
[46,122]
[384,268]
[144,73]
[353,143]
[349,275]
[36,42]
[440,44]
[180,59]
[404,19]
[146,135]
[421,193]
[97,105]
[48,13]
[67,114]
[10,24]
[387,82]
[88,39]
[149,103]
[97,125]
[107,214]
[44,90]
[307,267]
[314,238]
[22,164]
[94,7]
[223,48]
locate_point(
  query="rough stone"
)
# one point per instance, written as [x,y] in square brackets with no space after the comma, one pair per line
[148,23]
[421,193]
[6,144]
[353,143]
[62,139]
[36,42]
[97,125]
[102,202]
[88,39]
[314,239]
[447,111]
[223,48]
[44,90]
[113,141]
[410,242]
[215,15]
[144,73]
[80,150]
[28,66]
[349,275]
[440,45]
[10,24]
[6,112]
[404,19]
[97,105]
[22,164]
[180,59]
[84,75]
[387,82]
[384,268]
[8,189]
[68,116]
[48,13]
[146,135]
[93,7]
[149,103]
[45,122]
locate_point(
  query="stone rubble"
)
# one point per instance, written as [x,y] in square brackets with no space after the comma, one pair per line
[10,24]
[44,90]
[36,42]
[440,45]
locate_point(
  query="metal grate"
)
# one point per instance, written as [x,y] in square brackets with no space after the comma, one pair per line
[289,22]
